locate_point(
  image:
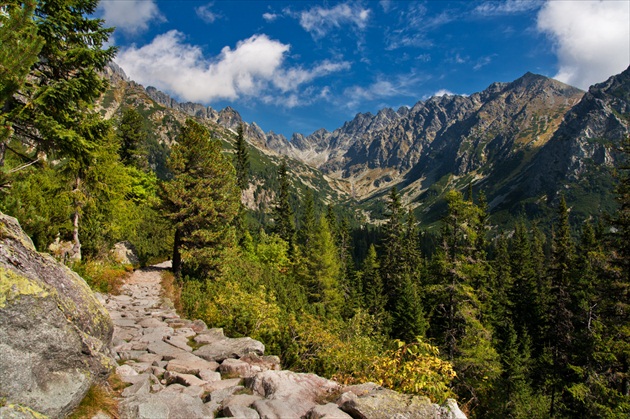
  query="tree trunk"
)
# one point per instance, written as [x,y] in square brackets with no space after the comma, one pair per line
[177,257]
[76,248]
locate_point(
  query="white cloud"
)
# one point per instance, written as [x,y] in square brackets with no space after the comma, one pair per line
[131,16]
[443,92]
[402,85]
[270,17]
[483,61]
[496,8]
[206,14]
[318,21]
[292,78]
[254,67]
[592,38]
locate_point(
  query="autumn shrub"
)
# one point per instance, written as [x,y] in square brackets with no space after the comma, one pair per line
[102,276]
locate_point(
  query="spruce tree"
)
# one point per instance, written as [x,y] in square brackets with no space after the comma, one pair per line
[393,255]
[284,225]
[560,330]
[133,139]
[53,111]
[201,200]
[20,46]
[241,159]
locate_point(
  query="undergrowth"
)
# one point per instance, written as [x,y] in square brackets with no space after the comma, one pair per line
[103,277]
[172,290]
[101,397]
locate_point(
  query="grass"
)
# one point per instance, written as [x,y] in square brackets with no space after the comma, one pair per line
[172,290]
[103,277]
[100,397]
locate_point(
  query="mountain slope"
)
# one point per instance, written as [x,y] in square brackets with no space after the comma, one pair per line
[164,116]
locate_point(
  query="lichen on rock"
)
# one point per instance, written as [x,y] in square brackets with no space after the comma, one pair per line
[54,333]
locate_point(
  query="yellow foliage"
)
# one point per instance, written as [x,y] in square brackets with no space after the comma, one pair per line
[413,368]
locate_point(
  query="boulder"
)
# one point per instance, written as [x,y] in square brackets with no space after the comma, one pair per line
[54,333]
[164,405]
[327,411]
[384,403]
[125,253]
[220,350]
[301,392]
[235,368]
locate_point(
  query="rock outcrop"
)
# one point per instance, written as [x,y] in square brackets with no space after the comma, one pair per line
[55,336]
[179,368]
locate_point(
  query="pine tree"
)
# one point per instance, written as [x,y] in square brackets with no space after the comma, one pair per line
[133,139]
[459,276]
[393,256]
[19,49]
[324,270]
[560,331]
[201,200]
[52,112]
[306,232]
[284,225]
[241,159]
[373,290]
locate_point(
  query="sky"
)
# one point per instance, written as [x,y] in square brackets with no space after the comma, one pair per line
[303,65]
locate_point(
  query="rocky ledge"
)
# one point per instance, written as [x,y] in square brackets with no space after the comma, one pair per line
[179,368]
[55,336]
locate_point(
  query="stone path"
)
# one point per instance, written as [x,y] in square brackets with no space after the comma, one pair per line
[178,368]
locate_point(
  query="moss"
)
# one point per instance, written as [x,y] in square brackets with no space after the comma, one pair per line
[26,410]
[13,285]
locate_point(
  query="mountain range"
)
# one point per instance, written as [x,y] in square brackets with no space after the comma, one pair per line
[522,143]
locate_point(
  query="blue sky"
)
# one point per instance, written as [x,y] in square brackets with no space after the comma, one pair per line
[300,66]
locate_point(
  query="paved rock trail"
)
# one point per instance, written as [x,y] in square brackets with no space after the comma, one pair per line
[179,368]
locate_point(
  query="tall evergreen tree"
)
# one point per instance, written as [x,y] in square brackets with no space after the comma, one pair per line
[201,200]
[284,225]
[393,255]
[241,158]
[133,139]
[20,48]
[52,112]
[324,271]
[560,321]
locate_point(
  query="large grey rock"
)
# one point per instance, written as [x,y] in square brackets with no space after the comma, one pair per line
[276,409]
[191,365]
[164,405]
[240,412]
[125,253]
[450,410]
[229,348]
[54,333]
[300,391]
[327,411]
[384,403]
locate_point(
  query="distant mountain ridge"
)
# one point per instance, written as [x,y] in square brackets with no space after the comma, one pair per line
[517,141]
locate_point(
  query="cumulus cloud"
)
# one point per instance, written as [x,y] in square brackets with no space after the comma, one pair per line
[319,21]
[508,7]
[252,68]
[206,14]
[131,16]
[270,17]
[592,38]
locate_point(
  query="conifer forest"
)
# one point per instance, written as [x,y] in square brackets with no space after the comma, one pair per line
[524,318]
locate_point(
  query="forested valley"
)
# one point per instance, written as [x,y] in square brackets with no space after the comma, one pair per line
[526,321]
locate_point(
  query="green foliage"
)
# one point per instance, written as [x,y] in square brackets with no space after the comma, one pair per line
[52,111]
[133,139]
[241,159]
[19,48]
[201,201]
